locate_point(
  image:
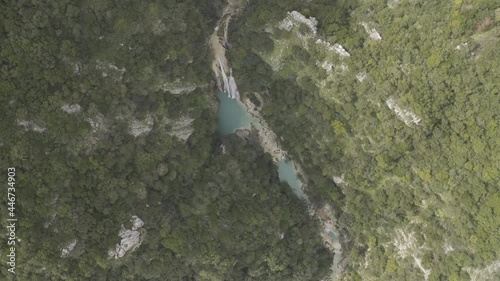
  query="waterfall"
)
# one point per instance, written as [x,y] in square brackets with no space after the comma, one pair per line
[233,88]
[224,78]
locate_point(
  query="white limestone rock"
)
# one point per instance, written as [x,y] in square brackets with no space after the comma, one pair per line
[71,108]
[181,128]
[295,18]
[130,239]
[337,48]
[31,126]
[361,76]
[66,251]
[159,27]
[137,127]
[178,87]
[372,32]
[97,123]
[484,274]
[339,180]
[393,3]
[109,69]
[407,116]
[310,22]
[461,46]
[406,245]
[326,65]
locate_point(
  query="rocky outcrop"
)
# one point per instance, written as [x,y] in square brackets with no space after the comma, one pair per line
[295,18]
[178,87]
[337,48]
[484,274]
[267,138]
[372,32]
[66,251]
[407,116]
[137,128]
[31,126]
[181,128]
[110,70]
[71,108]
[130,239]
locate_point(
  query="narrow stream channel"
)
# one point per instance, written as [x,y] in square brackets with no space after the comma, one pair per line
[232,115]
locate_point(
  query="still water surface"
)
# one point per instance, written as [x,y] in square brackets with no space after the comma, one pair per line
[231,116]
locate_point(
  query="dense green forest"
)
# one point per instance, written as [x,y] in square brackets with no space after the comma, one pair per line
[108,114]
[391,108]
[400,132]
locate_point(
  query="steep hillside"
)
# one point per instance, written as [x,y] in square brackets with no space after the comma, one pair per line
[392,110]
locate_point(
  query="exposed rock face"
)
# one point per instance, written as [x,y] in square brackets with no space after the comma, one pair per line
[406,244]
[361,76]
[296,17]
[111,70]
[131,239]
[484,274]
[66,251]
[393,3]
[31,126]
[267,138]
[339,180]
[137,223]
[337,48]
[407,116]
[326,65]
[98,123]
[181,128]
[177,87]
[372,32]
[137,128]
[71,108]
